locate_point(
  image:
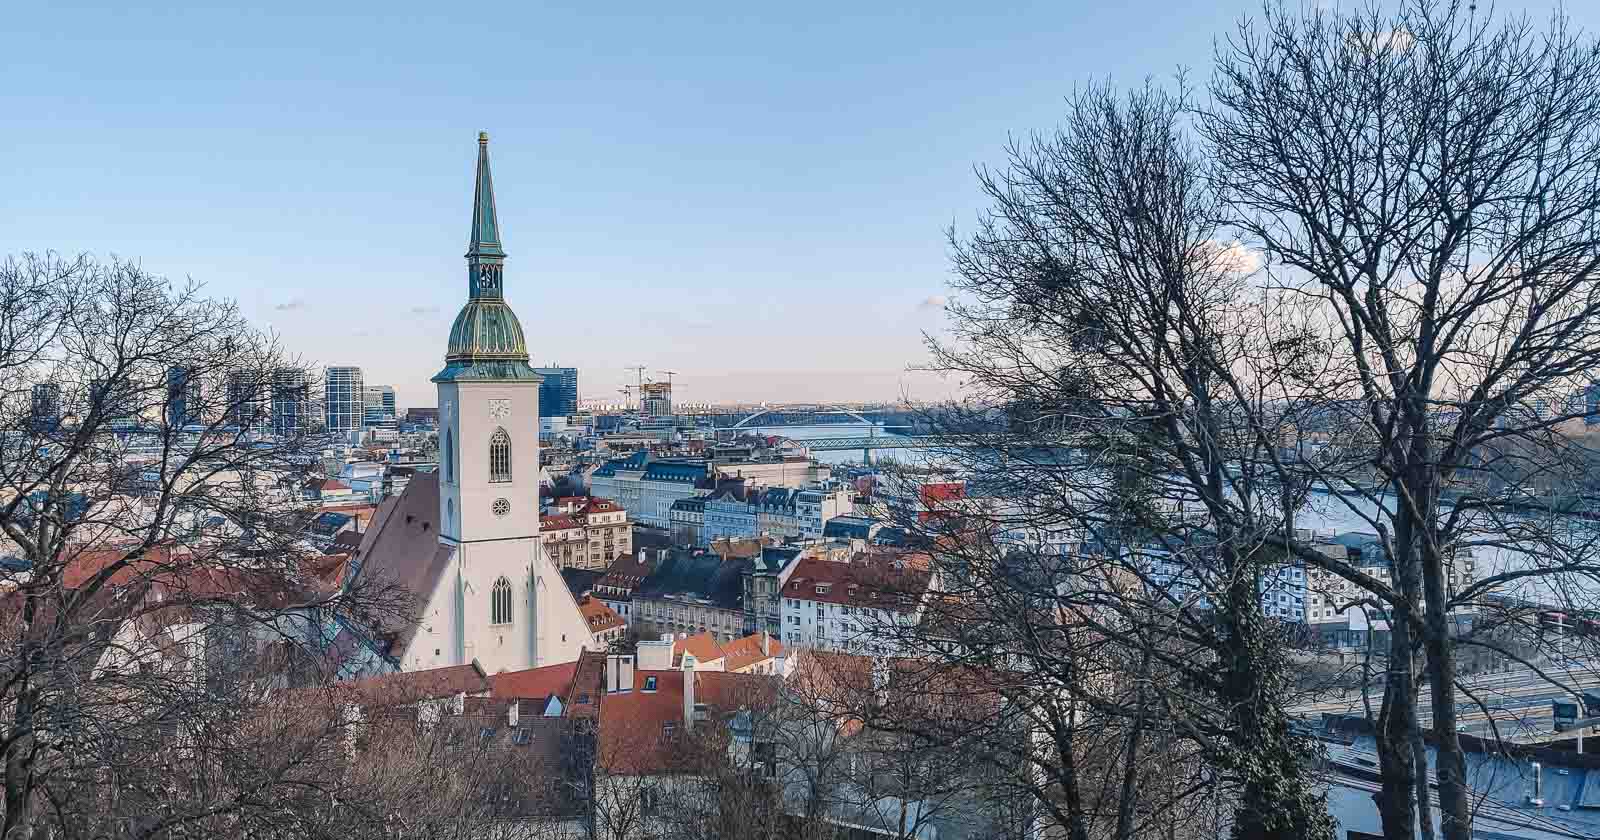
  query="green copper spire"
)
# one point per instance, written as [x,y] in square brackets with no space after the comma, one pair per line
[486,341]
[485,258]
[485,239]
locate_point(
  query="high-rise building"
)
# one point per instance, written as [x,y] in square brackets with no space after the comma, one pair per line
[655,399]
[381,396]
[289,398]
[45,412]
[345,400]
[246,398]
[183,395]
[558,393]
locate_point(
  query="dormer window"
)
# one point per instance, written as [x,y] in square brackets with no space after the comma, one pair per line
[649,683]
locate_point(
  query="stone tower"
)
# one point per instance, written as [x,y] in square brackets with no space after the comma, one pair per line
[512,609]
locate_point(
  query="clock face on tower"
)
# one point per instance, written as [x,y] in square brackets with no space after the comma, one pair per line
[499,409]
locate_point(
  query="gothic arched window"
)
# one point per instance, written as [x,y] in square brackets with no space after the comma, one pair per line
[500,602]
[500,456]
[449,458]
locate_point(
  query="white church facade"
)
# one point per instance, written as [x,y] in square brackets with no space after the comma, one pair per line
[465,541]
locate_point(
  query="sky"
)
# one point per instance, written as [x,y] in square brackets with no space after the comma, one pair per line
[753,195]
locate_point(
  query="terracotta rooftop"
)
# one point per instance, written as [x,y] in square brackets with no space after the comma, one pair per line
[600,505]
[702,646]
[558,522]
[599,616]
[434,683]
[742,653]
[534,683]
[635,737]
[873,581]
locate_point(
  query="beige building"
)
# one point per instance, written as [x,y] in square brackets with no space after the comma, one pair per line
[792,473]
[586,533]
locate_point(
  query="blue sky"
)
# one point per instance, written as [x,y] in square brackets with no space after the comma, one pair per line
[751,194]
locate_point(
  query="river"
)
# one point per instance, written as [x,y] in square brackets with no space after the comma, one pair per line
[1323,513]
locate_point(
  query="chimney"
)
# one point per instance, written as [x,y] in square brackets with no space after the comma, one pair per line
[613,669]
[766,644]
[625,675]
[514,713]
[688,691]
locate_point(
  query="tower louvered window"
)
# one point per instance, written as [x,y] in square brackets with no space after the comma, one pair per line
[449,457]
[500,456]
[500,602]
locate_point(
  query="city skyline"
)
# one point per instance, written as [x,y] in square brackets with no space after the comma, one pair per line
[763,217]
[756,200]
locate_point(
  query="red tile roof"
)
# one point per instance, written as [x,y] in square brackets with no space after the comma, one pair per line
[558,522]
[703,646]
[633,736]
[626,573]
[323,485]
[871,581]
[534,683]
[600,505]
[434,683]
[742,653]
[599,616]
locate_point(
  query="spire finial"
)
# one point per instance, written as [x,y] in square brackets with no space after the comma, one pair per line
[484,244]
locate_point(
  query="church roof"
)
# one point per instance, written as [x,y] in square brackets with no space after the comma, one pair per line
[402,547]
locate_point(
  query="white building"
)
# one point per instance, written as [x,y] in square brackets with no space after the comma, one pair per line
[465,540]
[852,606]
[814,507]
[648,488]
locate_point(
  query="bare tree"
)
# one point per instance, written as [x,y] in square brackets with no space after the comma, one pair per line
[157,581]
[1110,342]
[1405,334]
[1425,192]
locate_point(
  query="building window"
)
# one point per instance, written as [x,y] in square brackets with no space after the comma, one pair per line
[649,683]
[500,456]
[500,602]
[449,457]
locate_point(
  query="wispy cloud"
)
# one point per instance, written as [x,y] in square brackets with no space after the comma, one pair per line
[931,302]
[1394,41]
[291,305]
[424,310]
[1236,257]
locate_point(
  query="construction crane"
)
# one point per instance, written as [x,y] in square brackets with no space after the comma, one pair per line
[669,374]
[640,370]
[627,394]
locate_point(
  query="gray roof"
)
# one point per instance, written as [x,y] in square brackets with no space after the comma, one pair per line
[699,576]
[849,527]
[402,547]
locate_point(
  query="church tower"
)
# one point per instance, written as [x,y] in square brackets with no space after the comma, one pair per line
[512,609]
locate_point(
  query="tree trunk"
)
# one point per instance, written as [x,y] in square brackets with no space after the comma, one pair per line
[1455,809]
[1397,804]
[1274,803]
[19,781]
